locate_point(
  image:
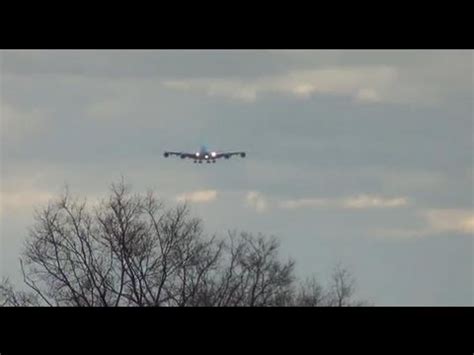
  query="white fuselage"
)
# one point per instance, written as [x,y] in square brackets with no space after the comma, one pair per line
[205,154]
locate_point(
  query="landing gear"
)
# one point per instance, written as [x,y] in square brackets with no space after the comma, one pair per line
[213,161]
[200,161]
[195,162]
[208,161]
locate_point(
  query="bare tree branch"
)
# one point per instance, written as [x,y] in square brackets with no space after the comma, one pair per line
[130,250]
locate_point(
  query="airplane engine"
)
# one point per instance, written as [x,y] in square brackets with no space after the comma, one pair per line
[242,155]
[166,155]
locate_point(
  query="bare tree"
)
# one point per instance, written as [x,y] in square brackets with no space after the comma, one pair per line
[249,274]
[342,287]
[11,298]
[131,251]
[311,294]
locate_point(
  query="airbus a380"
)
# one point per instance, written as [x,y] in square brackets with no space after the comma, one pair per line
[204,154]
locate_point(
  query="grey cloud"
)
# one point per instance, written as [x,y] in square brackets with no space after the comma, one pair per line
[155,63]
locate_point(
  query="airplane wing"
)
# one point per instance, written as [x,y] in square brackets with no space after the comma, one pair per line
[182,155]
[227,155]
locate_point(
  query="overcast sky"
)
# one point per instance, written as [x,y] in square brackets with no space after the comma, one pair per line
[358,157]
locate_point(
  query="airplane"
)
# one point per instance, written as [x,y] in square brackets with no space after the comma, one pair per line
[204,155]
